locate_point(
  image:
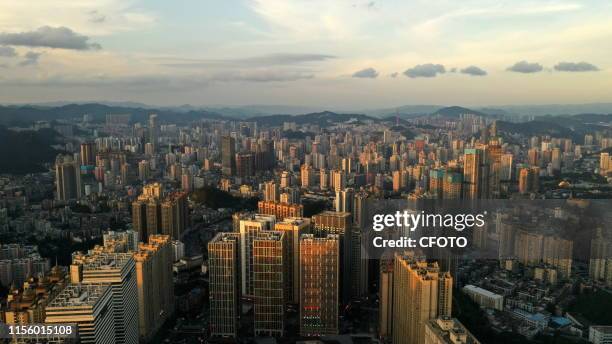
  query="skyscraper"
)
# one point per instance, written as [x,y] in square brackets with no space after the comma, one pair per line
[268,283]
[249,227]
[67,178]
[271,192]
[153,131]
[474,173]
[228,153]
[91,307]
[88,154]
[118,270]
[293,227]
[154,282]
[174,214]
[420,293]
[319,284]
[224,275]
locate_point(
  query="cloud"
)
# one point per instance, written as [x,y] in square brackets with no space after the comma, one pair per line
[428,70]
[7,51]
[394,74]
[96,17]
[256,61]
[525,67]
[474,71]
[30,59]
[576,67]
[261,76]
[370,73]
[49,37]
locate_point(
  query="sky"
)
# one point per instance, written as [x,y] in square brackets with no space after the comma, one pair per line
[345,54]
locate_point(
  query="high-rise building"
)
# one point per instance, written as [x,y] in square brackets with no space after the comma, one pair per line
[385,312]
[245,165]
[153,131]
[330,222]
[452,186]
[280,210]
[268,283]
[306,176]
[126,241]
[420,293]
[91,307]
[529,179]
[224,277]
[249,227]
[600,259]
[67,178]
[344,200]
[447,330]
[436,183]
[319,284]
[88,154]
[605,164]
[228,153]
[118,270]
[271,192]
[154,283]
[174,214]
[293,227]
[475,174]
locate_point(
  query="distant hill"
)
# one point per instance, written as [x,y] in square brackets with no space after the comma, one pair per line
[457,111]
[17,155]
[25,115]
[321,118]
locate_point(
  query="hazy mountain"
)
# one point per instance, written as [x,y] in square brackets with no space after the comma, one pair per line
[320,118]
[25,115]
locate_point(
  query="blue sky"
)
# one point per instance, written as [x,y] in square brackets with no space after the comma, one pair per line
[337,54]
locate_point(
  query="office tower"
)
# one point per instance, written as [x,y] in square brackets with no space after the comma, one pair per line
[420,293]
[306,176]
[271,192]
[67,178]
[436,183]
[268,283]
[91,307]
[123,242]
[385,312]
[293,227]
[452,187]
[447,330]
[330,222]
[529,180]
[228,153]
[344,200]
[153,131]
[319,279]
[118,270]
[88,154]
[249,227]
[474,173]
[224,283]
[153,265]
[174,214]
